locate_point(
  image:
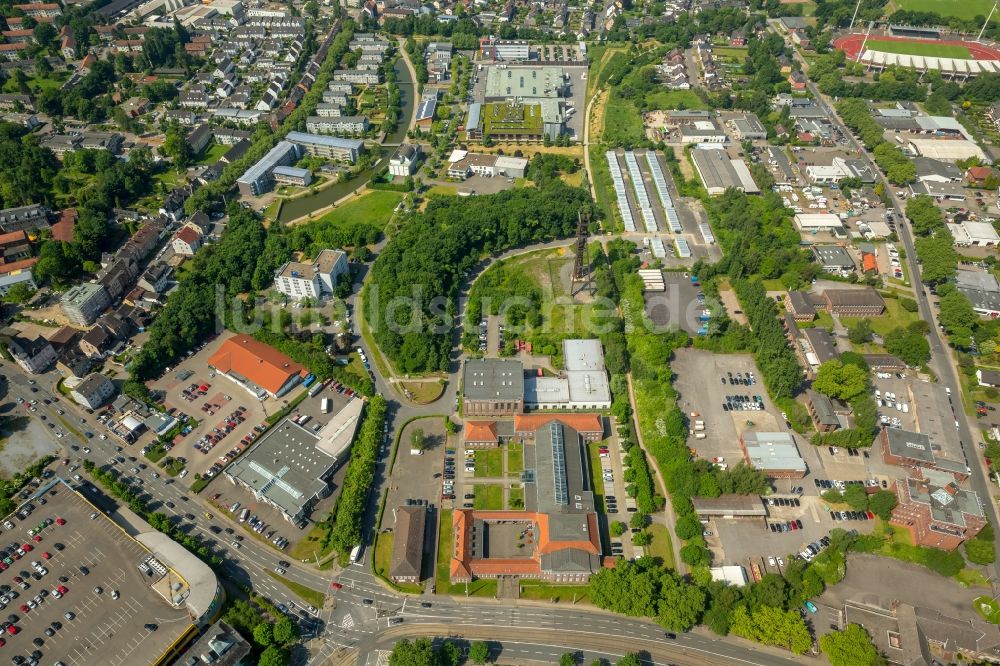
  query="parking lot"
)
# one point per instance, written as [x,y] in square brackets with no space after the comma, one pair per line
[678,305]
[419,476]
[703,383]
[199,392]
[93,561]
[225,495]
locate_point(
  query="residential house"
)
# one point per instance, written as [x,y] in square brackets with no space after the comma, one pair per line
[35,356]
[93,392]
[186,241]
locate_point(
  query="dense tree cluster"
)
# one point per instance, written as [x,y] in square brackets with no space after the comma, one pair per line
[642,589]
[851,646]
[775,358]
[757,238]
[269,631]
[29,170]
[423,652]
[419,272]
[358,480]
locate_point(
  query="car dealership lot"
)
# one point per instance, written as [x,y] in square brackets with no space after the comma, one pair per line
[102,630]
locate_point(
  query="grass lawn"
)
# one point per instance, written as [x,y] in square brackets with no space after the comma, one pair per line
[894,316]
[918,48]
[442,190]
[307,594]
[622,122]
[596,479]
[311,547]
[540,591]
[774,284]
[661,546]
[212,153]
[274,210]
[573,179]
[169,178]
[972,578]
[731,52]
[964,9]
[489,497]
[515,459]
[38,84]
[374,207]
[515,498]
[823,320]
[603,187]
[676,99]
[489,463]
[988,609]
[424,392]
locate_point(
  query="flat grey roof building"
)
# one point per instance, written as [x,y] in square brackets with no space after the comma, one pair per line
[524,82]
[729,505]
[493,379]
[774,453]
[833,257]
[286,469]
[718,173]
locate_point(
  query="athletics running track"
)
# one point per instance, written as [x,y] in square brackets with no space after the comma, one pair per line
[851,45]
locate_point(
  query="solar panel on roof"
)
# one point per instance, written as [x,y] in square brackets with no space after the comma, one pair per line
[620,195]
[660,182]
[642,198]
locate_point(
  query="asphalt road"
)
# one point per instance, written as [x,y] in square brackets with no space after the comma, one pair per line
[941,358]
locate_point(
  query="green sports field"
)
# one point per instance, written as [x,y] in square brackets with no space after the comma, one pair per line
[918,48]
[963,9]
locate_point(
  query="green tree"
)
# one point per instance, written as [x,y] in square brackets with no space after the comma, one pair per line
[638,519]
[479,652]
[850,647]
[618,528]
[695,555]
[567,659]
[18,293]
[844,382]
[418,653]
[629,659]
[176,147]
[681,603]
[285,630]
[273,656]
[772,626]
[688,526]
[911,347]
[860,333]
[856,497]
[641,539]
[882,503]
[263,634]
[417,439]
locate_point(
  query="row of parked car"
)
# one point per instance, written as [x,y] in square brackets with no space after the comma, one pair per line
[813,549]
[785,526]
[852,515]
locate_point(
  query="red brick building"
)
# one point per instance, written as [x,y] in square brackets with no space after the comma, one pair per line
[864,302]
[936,512]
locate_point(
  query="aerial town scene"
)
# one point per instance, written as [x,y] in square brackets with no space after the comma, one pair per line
[576,332]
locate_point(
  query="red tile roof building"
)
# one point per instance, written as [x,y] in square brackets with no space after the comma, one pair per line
[257,367]
[558,540]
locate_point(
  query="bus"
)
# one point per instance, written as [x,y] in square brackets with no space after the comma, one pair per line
[356,554]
